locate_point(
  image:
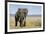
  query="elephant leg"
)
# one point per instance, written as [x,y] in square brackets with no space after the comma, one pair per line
[24,22]
[16,21]
[20,23]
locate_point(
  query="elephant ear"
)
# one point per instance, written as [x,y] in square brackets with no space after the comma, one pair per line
[25,11]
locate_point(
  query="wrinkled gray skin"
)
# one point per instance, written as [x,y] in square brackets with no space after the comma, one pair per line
[21,16]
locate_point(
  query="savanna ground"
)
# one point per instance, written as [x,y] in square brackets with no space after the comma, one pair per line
[31,22]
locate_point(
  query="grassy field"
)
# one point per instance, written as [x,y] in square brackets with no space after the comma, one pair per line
[31,22]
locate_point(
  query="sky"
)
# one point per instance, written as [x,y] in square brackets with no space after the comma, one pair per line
[32,10]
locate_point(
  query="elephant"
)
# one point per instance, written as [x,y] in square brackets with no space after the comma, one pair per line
[21,16]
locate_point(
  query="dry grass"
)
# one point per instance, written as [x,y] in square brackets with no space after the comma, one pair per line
[31,22]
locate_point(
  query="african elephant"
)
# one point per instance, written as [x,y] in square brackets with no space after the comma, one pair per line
[21,16]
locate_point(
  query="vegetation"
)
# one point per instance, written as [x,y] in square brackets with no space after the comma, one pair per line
[31,22]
